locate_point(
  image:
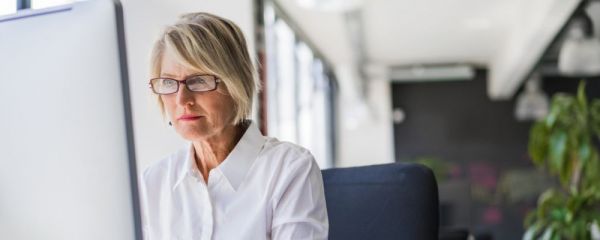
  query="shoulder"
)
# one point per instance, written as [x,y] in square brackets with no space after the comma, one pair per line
[296,174]
[288,162]
[286,153]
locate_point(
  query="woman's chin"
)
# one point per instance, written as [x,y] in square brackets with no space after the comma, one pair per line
[193,133]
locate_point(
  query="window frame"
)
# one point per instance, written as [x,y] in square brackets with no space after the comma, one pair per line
[23,4]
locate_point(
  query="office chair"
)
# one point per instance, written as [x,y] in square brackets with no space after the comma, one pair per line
[389,201]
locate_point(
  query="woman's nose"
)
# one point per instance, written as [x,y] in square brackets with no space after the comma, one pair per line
[184,96]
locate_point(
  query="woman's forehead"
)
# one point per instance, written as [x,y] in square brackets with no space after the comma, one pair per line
[172,66]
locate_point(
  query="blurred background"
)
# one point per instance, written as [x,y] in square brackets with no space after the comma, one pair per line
[452,84]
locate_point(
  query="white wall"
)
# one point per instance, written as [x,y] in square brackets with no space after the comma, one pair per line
[144,21]
[364,126]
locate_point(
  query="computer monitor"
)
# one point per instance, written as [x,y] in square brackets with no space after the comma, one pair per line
[67,164]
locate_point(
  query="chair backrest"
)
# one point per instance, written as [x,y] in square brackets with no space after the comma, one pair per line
[389,201]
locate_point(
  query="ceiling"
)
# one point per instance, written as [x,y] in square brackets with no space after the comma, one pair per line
[508,37]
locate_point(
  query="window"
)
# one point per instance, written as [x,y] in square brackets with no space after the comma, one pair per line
[8,7]
[299,91]
[285,127]
[11,6]
[36,4]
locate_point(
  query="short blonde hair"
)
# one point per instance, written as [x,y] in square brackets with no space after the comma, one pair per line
[211,44]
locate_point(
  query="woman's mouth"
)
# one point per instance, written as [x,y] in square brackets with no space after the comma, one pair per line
[188,117]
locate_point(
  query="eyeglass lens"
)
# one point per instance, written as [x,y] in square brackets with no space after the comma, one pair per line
[198,83]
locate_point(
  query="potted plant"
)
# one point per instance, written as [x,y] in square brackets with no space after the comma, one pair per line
[565,143]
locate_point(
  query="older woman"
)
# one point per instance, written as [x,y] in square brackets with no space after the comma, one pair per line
[230,182]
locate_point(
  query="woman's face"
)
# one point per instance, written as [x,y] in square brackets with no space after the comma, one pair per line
[195,115]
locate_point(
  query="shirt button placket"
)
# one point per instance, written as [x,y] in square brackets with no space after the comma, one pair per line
[208,214]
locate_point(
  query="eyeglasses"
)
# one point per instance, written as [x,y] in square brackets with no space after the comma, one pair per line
[195,83]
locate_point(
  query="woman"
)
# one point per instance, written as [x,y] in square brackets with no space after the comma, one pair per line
[230,182]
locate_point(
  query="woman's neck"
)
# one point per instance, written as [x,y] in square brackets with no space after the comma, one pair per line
[211,152]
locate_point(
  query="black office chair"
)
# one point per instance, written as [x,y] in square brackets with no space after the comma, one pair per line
[389,201]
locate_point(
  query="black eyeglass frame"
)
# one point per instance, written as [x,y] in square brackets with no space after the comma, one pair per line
[184,82]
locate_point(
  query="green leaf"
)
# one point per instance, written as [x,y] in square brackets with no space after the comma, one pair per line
[581,231]
[585,151]
[555,110]
[531,219]
[558,214]
[547,203]
[530,233]
[548,234]
[565,142]
[591,178]
[568,217]
[581,98]
[558,150]
[538,143]
[594,112]
[559,101]
[561,111]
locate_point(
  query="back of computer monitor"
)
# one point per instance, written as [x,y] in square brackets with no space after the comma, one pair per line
[67,168]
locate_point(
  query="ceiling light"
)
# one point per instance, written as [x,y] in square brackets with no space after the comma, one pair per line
[532,103]
[422,73]
[580,51]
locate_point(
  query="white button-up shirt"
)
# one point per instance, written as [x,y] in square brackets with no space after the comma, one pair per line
[264,189]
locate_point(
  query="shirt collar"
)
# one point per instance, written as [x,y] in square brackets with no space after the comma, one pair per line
[235,167]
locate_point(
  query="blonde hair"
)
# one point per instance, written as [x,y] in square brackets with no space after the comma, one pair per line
[211,44]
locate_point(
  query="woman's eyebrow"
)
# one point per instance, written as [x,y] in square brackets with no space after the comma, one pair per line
[167,75]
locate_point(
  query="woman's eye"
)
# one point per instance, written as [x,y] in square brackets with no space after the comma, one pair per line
[168,82]
[197,80]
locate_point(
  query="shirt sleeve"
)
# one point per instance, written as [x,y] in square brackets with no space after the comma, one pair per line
[299,210]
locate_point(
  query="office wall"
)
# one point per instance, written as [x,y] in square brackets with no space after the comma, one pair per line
[144,20]
[478,149]
[364,124]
